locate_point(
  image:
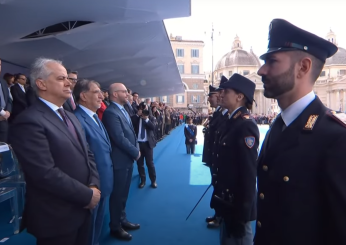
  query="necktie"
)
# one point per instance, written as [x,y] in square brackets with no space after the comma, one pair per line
[72,103]
[126,115]
[276,130]
[98,122]
[68,123]
[143,129]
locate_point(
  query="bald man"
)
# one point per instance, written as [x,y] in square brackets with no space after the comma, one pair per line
[125,151]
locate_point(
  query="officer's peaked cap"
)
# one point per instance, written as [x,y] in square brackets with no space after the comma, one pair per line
[283,36]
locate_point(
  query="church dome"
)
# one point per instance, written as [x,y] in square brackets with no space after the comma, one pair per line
[238,57]
[339,58]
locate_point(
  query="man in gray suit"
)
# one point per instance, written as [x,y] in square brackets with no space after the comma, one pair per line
[125,151]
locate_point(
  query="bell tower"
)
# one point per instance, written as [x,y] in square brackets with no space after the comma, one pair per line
[237,43]
[331,37]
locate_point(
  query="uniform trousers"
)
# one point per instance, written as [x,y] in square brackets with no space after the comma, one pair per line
[190,148]
[231,240]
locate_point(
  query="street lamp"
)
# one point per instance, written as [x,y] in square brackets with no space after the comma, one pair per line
[212,54]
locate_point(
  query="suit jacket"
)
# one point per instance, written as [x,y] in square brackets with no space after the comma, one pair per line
[301,182]
[68,106]
[235,175]
[188,135]
[19,102]
[100,145]
[149,127]
[7,97]
[58,171]
[122,136]
[31,96]
[129,109]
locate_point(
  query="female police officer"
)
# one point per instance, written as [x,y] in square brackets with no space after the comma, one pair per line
[235,176]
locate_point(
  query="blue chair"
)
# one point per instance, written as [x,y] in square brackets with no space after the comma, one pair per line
[11,175]
[11,194]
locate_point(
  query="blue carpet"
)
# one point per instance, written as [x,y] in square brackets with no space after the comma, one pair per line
[181,179]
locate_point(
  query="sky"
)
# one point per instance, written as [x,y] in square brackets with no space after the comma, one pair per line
[250,19]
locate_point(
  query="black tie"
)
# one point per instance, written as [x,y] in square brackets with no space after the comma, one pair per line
[276,130]
[143,129]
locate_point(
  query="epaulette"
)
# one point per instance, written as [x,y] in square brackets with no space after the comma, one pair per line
[246,116]
[338,117]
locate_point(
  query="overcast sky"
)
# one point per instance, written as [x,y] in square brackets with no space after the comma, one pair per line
[250,19]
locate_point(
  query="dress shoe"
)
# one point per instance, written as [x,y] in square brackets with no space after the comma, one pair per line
[214,224]
[210,218]
[141,185]
[154,185]
[121,234]
[130,226]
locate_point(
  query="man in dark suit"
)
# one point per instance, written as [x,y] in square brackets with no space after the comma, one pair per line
[19,102]
[5,109]
[301,167]
[62,183]
[234,178]
[70,103]
[125,151]
[89,97]
[144,128]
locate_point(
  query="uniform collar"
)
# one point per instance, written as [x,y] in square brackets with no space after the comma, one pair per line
[294,110]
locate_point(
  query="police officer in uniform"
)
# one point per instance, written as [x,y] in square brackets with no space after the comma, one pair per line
[213,101]
[301,167]
[219,117]
[235,176]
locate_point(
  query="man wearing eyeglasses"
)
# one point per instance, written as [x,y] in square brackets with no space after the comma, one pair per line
[70,104]
[125,150]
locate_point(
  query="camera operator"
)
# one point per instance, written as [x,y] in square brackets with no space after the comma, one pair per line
[144,126]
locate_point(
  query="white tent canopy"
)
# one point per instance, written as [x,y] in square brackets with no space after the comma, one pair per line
[108,41]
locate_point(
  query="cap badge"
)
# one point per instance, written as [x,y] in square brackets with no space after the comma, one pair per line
[311,122]
[250,141]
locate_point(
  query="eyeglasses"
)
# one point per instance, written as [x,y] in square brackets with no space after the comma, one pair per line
[72,79]
[123,91]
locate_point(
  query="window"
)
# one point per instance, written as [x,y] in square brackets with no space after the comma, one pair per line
[164,99]
[342,72]
[181,68]
[195,86]
[220,75]
[180,52]
[195,98]
[246,73]
[323,73]
[195,69]
[230,73]
[195,53]
[180,99]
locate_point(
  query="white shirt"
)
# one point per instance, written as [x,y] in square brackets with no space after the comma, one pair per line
[140,131]
[293,111]
[22,87]
[52,106]
[90,113]
[224,111]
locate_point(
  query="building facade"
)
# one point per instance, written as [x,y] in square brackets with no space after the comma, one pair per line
[330,87]
[189,58]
